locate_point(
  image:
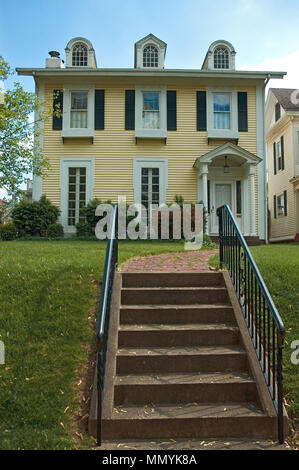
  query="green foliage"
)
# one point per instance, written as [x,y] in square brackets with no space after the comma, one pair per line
[84,230]
[20,149]
[55,231]
[8,232]
[87,228]
[208,243]
[34,218]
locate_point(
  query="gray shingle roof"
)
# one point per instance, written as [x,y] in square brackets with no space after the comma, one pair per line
[283,96]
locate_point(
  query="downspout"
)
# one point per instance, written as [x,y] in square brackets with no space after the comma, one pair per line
[266,164]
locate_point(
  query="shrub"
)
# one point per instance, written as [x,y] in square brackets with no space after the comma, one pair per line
[55,231]
[8,231]
[34,218]
[84,230]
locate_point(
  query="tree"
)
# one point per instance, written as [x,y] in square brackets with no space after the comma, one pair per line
[20,150]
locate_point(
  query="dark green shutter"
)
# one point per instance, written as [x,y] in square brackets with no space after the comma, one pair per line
[130,110]
[171,110]
[274,202]
[57,106]
[274,158]
[242,111]
[99,110]
[201,106]
[285,203]
[282,152]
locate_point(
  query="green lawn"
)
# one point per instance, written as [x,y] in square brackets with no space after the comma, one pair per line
[48,295]
[279,266]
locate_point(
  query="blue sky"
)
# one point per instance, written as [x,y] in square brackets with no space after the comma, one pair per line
[263,32]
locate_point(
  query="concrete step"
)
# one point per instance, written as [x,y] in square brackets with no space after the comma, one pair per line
[184,388]
[177,335]
[174,295]
[190,421]
[133,314]
[181,359]
[173,279]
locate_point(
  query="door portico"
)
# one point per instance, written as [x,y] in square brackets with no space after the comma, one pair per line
[226,175]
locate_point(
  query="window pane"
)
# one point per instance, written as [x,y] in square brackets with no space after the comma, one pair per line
[221,107]
[79,100]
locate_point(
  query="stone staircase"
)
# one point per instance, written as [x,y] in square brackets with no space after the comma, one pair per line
[180,362]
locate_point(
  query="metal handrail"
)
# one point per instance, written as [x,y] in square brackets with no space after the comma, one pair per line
[264,323]
[111,261]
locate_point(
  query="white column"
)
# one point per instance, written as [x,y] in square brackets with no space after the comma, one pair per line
[252,200]
[204,173]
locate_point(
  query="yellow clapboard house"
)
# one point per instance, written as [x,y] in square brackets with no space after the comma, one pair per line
[150,133]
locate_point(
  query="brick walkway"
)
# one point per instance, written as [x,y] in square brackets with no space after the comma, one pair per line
[185,261]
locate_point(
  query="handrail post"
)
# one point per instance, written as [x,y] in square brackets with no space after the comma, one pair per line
[220,216]
[279,388]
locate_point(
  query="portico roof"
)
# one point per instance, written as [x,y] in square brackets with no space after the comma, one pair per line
[239,156]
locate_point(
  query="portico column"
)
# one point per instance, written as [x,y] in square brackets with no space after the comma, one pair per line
[252,200]
[204,173]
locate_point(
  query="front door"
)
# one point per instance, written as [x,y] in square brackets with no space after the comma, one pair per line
[221,194]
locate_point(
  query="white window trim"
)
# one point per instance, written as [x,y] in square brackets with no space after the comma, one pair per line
[67,130]
[150,133]
[162,164]
[282,208]
[233,132]
[65,164]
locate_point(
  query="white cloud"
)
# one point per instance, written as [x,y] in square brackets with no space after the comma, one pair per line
[289,64]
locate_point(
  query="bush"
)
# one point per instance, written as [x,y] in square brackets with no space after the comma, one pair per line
[34,218]
[55,231]
[8,231]
[84,230]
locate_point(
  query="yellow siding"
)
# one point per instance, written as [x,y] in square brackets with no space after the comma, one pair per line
[114,148]
[282,226]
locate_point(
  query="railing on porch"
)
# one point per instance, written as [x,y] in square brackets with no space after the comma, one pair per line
[104,315]
[264,324]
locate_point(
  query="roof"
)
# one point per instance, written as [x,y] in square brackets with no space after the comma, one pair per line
[284,97]
[101,72]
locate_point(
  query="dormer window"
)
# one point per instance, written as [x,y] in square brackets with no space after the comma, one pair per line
[221,58]
[79,55]
[150,56]
[150,53]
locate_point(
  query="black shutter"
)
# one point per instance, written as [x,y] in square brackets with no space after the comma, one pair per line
[201,106]
[99,110]
[285,203]
[242,111]
[282,152]
[274,202]
[209,197]
[130,110]
[171,110]
[277,112]
[57,106]
[274,158]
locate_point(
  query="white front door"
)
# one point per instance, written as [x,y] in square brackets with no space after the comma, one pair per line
[221,194]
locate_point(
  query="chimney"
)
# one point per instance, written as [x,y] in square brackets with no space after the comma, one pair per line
[54,61]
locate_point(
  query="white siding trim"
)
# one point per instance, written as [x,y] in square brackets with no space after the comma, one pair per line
[37,181]
[261,168]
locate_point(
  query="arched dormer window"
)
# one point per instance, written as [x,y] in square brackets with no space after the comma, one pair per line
[150,56]
[221,58]
[79,55]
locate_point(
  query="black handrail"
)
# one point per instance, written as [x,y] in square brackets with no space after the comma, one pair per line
[264,323]
[104,315]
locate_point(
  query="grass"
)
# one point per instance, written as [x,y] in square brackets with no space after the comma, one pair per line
[279,266]
[48,296]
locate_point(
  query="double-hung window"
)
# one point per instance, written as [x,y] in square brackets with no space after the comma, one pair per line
[151,110]
[222,113]
[79,109]
[222,110]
